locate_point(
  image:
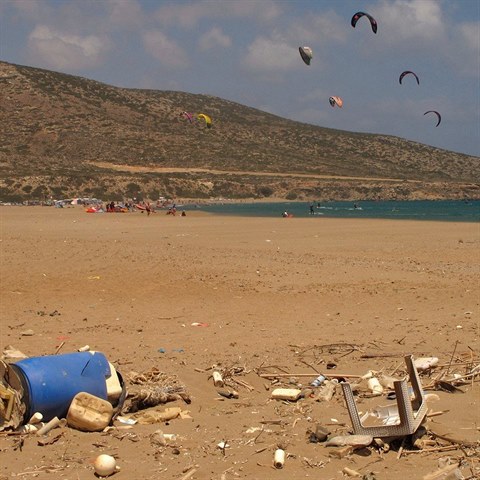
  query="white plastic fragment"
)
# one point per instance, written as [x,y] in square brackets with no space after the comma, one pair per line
[105,465]
[217,379]
[374,386]
[291,394]
[354,440]
[54,422]
[279,458]
[37,417]
[424,363]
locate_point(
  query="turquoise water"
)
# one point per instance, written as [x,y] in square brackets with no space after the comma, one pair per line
[440,210]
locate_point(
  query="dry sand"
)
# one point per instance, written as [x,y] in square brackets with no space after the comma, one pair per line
[268,290]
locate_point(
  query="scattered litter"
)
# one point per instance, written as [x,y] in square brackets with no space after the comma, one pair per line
[228,393]
[387,381]
[318,381]
[37,417]
[152,388]
[292,394]
[160,439]
[411,411]
[424,363]
[217,379]
[327,390]
[27,333]
[199,324]
[350,472]
[89,413]
[350,440]
[153,415]
[175,350]
[320,434]
[12,354]
[53,423]
[374,386]
[387,415]
[105,465]
[48,384]
[279,458]
[125,420]
[341,452]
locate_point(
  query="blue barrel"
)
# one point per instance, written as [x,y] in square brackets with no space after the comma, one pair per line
[51,382]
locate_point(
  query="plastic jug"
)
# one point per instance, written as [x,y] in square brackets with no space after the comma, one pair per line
[89,413]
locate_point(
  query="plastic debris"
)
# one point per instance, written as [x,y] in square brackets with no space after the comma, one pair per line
[351,440]
[279,458]
[292,394]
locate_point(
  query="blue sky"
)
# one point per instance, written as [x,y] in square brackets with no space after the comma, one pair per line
[247,51]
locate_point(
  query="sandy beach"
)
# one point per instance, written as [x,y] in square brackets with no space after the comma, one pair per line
[290,294]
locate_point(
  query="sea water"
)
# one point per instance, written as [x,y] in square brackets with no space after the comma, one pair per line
[439,210]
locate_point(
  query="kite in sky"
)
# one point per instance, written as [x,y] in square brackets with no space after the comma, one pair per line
[408,72]
[439,117]
[336,101]
[306,54]
[373,22]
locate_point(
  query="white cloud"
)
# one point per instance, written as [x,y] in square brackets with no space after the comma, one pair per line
[279,51]
[470,33]
[32,9]
[67,51]
[410,20]
[262,10]
[266,54]
[188,15]
[125,13]
[166,51]
[465,49]
[214,38]
[319,29]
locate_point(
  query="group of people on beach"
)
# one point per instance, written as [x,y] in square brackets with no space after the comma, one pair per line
[132,206]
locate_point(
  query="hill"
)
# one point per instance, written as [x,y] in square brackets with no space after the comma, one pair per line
[64,136]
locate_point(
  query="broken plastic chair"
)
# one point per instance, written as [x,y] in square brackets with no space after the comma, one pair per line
[411,412]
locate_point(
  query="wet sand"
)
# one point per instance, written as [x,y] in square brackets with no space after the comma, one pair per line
[291,293]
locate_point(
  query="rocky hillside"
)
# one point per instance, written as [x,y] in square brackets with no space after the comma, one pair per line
[66,136]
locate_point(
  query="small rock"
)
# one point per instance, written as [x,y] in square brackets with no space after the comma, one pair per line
[27,333]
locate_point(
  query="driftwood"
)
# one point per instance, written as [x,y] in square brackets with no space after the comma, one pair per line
[446,448]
